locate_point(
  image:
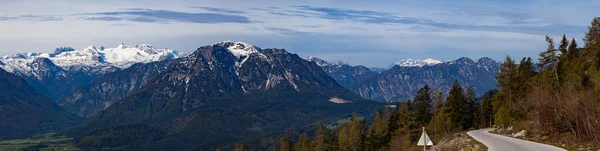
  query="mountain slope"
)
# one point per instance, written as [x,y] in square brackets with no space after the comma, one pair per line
[229,92]
[402,82]
[343,73]
[66,69]
[24,112]
[111,87]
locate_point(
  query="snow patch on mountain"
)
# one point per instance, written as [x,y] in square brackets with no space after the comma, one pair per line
[462,60]
[338,100]
[241,50]
[122,56]
[321,62]
[417,63]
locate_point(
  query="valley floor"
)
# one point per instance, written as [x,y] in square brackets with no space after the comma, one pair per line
[41,142]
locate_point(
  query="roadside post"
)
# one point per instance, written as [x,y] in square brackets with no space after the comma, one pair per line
[425,141]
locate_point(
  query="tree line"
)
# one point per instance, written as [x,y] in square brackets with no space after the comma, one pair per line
[560,93]
[396,128]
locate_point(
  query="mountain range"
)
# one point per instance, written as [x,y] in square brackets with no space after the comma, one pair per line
[61,72]
[241,89]
[417,63]
[402,81]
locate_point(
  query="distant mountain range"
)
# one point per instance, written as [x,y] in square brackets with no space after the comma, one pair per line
[402,81]
[417,63]
[343,73]
[59,73]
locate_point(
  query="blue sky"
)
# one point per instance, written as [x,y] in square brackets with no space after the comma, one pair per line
[372,33]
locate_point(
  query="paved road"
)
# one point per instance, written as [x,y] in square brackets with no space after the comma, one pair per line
[502,143]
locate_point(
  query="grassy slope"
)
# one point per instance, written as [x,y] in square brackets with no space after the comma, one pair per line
[41,142]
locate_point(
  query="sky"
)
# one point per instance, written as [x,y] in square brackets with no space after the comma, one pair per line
[373,33]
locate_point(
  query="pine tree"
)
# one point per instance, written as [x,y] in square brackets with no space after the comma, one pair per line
[422,107]
[438,100]
[526,68]
[440,122]
[487,114]
[344,139]
[573,50]
[303,143]
[319,142]
[404,122]
[562,47]
[393,120]
[243,147]
[378,136]
[286,145]
[355,133]
[331,141]
[549,60]
[526,72]
[457,107]
[592,43]
[474,108]
[504,101]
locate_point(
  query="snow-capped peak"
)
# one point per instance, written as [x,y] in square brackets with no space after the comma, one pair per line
[121,46]
[418,63]
[321,62]
[462,60]
[91,49]
[318,61]
[239,49]
[120,57]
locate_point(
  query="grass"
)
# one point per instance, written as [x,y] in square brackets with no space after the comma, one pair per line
[566,141]
[563,140]
[343,121]
[42,142]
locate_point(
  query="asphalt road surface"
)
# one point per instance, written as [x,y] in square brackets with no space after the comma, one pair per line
[496,142]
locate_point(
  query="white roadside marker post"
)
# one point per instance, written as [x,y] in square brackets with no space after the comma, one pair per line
[425,146]
[424,140]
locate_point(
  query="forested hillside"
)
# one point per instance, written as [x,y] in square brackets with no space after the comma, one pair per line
[399,127]
[561,97]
